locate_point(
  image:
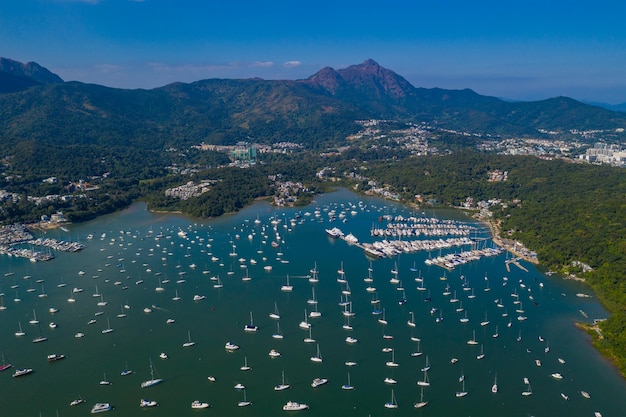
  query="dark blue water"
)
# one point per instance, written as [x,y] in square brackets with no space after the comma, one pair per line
[133,252]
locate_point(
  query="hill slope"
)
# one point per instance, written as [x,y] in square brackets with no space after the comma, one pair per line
[38,111]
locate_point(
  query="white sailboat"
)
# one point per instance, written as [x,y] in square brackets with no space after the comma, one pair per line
[347,386]
[219,283]
[314,278]
[473,341]
[152,381]
[108,329]
[244,402]
[20,332]
[392,403]
[34,319]
[310,338]
[462,393]
[246,278]
[287,287]
[318,356]
[341,278]
[529,390]
[275,315]
[421,402]
[411,322]
[305,323]
[245,366]
[278,334]
[282,386]
[425,382]
[392,363]
[494,387]
[481,355]
[105,381]
[188,343]
[250,327]
[382,320]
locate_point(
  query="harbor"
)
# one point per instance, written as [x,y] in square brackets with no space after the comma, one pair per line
[220,316]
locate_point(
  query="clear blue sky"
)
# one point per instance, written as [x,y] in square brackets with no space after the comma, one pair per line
[523,50]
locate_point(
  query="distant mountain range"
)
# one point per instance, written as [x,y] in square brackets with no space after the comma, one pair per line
[38,107]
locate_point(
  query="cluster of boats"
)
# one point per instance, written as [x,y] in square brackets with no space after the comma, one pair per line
[448,306]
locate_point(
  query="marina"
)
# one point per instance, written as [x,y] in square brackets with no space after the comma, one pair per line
[390,334]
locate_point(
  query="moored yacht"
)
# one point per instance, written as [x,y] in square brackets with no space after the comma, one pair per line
[152,381]
[294,406]
[101,407]
[318,382]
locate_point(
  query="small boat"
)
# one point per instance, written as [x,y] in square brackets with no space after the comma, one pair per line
[245,366]
[461,393]
[244,402]
[239,385]
[282,386]
[585,394]
[481,355]
[105,381]
[250,327]
[557,376]
[211,378]
[287,287]
[53,357]
[21,372]
[77,401]
[152,381]
[294,406]
[494,387]
[425,382]
[564,396]
[274,353]
[529,390]
[199,405]
[4,365]
[188,343]
[319,382]
[473,341]
[421,402]
[392,363]
[411,322]
[34,319]
[163,355]
[278,334]
[148,403]
[274,315]
[20,332]
[108,329]
[347,386]
[101,408]
[389,380]
[231,346]
[304,324]
[318,356]
[392,403]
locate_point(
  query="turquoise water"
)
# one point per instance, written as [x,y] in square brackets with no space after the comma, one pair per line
[141,246]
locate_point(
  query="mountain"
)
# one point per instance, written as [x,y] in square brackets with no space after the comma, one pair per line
[16,76]
[621,107]
[47,113]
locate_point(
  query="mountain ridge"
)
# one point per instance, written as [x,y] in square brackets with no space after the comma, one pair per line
[319,109]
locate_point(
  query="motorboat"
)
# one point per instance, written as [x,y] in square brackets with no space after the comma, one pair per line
[294,406]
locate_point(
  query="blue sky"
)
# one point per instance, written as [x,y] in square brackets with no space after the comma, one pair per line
[526,50]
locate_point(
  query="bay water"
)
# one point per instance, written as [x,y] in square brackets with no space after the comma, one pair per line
[144,268]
